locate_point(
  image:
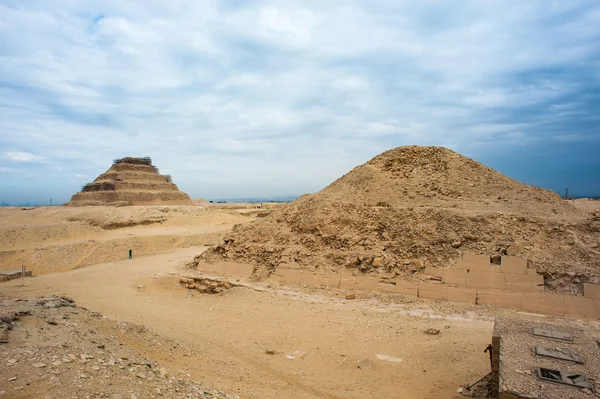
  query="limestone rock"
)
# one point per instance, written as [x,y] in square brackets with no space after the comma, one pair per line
[365,364]
[417,264]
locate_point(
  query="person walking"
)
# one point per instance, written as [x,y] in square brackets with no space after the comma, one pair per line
[130,254]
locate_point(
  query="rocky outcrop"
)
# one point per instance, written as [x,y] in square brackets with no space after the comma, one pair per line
[131,181]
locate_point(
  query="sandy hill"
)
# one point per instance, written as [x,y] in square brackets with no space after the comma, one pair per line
[415,206]
[131,181]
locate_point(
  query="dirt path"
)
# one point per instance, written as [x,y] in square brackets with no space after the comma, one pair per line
[325,336]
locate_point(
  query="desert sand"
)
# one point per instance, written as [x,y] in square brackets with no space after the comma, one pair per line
[326,334]
[53,239]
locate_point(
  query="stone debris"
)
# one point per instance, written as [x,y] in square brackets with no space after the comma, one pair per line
[389,358]
[207,285]
[84,362]
[365,364]
[350,296]
[295,354]
[432,331]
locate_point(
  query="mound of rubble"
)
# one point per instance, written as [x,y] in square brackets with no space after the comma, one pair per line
[131,181]
[416,206]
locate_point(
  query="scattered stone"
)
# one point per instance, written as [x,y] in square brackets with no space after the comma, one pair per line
[417,264]
[270,351]
[350,296]
[11,379]
[496,259]
[364,364]
[83,376]
[586,391]
[39,365]
[432,331]
[389,358]
[456,244]
[377,262]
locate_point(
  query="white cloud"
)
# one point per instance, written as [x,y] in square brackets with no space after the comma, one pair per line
[21,156]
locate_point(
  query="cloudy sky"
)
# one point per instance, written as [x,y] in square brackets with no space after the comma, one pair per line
[265,98]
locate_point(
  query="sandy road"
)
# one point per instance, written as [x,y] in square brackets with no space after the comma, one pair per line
[327,336]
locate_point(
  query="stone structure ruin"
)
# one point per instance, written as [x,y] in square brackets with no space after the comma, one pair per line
[131,181]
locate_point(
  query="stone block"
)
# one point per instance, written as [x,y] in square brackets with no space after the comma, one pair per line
[434,271]
[386,287]
[503,299]
[366,283]
[524,287]
[581,306]
[407,288]
[206,267]
[486,280]
[543,303]
[475,262]
[331,280]
[456,277]
[513,264]
[524,282]
[313,279]
[432,291]
[347,282]
[530,271]
[591,291]
[289,275]
[233,269]
[461,295]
